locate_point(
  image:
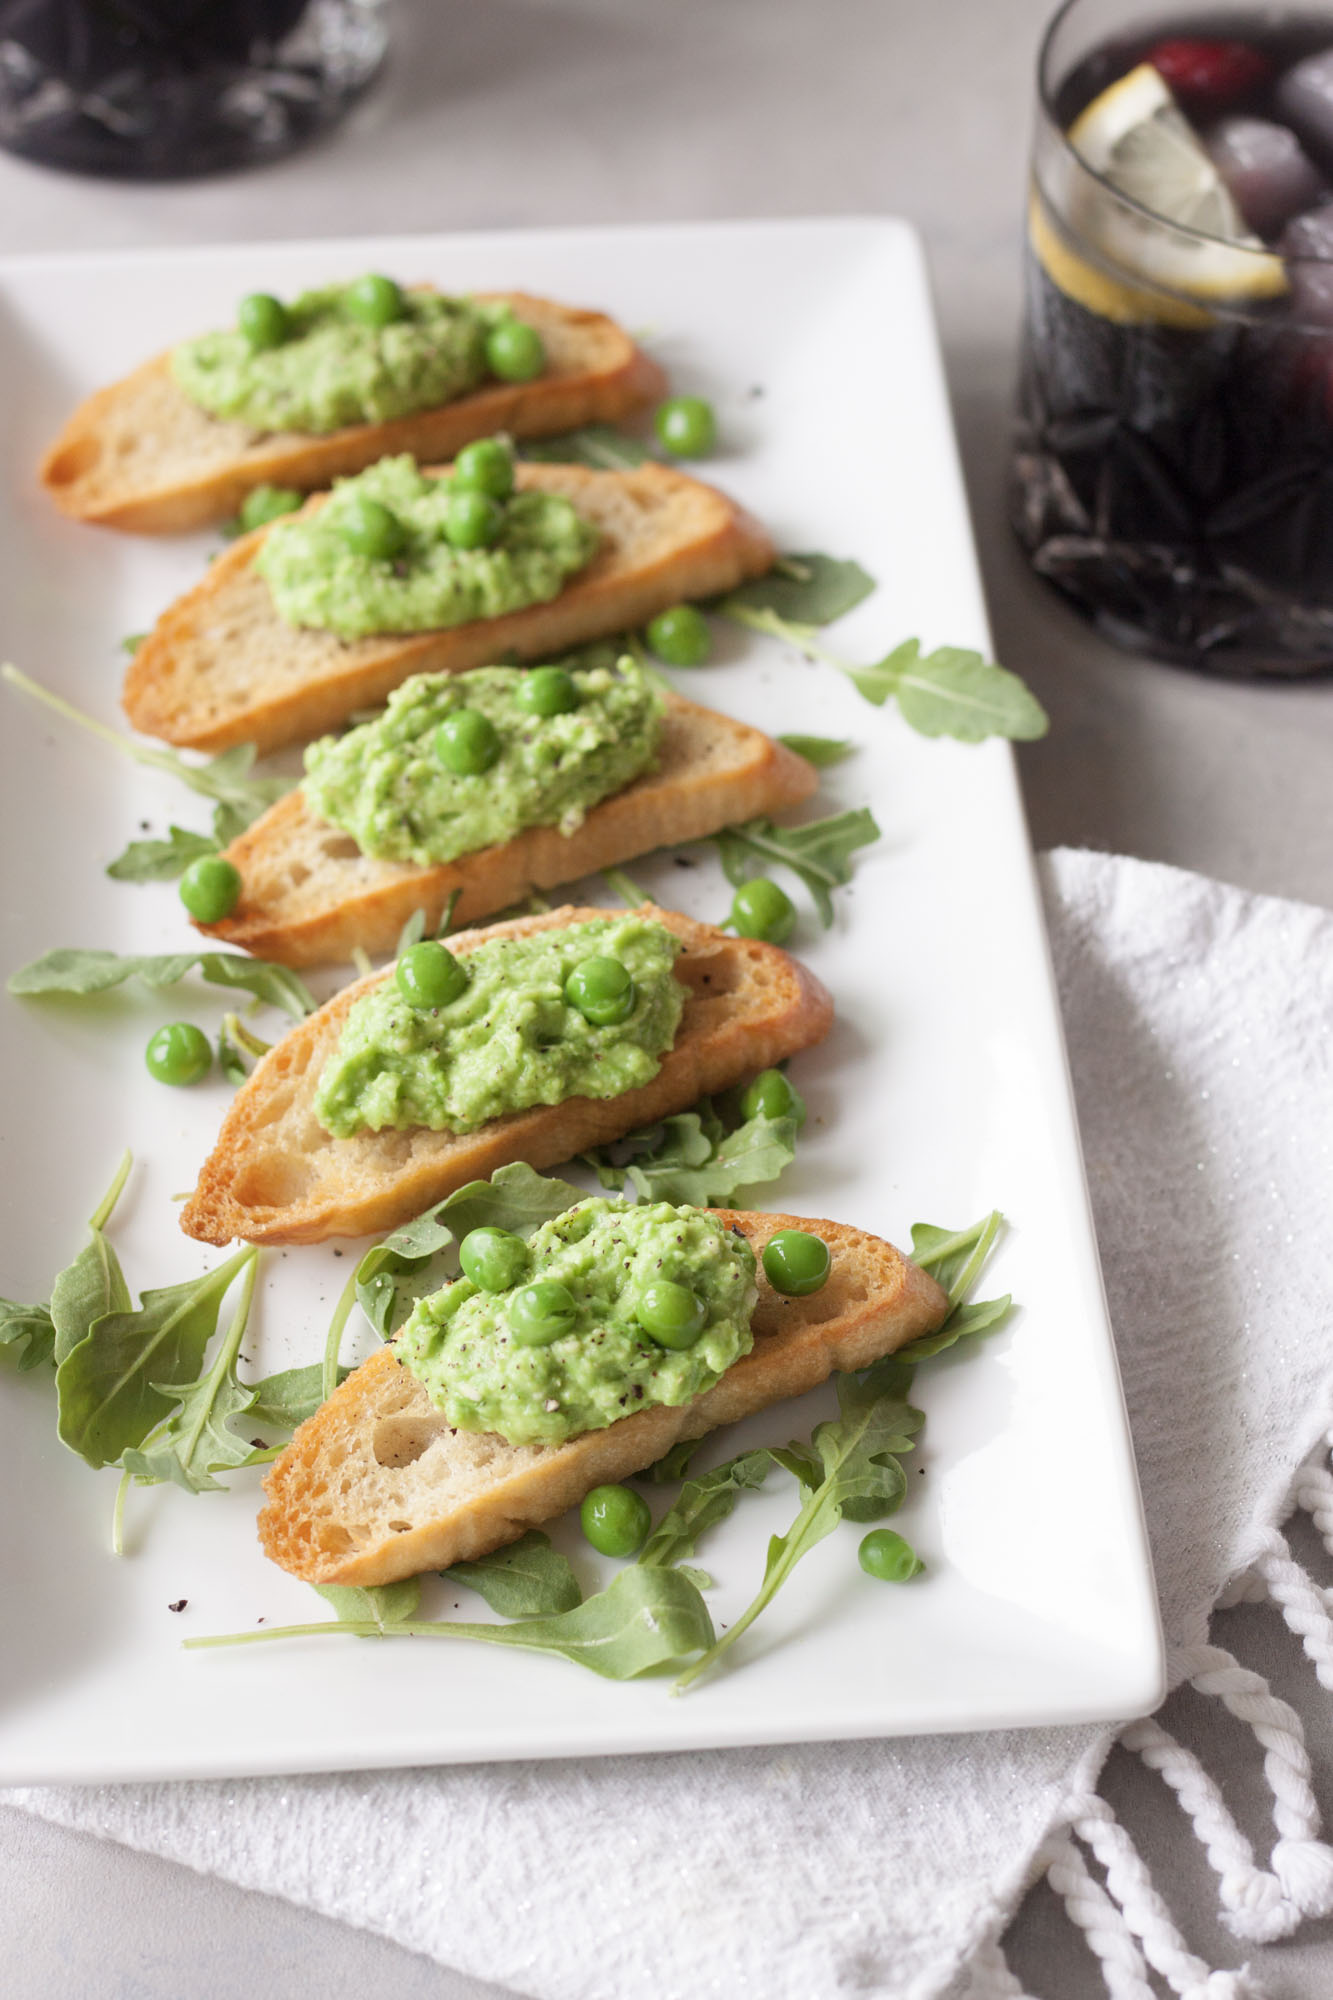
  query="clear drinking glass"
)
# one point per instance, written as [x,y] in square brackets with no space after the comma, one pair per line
[163,89]
[1173,473]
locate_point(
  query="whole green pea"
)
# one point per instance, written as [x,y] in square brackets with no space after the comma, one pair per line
[467,742]
[615,1519]
[670,1314]
[494,1259]
[210,888]
[484,467]
[515,351]
[680,636]
[796,1262]
[375,300]
[547,691]
[541,1312]
[771,1096]
[760,909]
[369,528]
[179,1053]
[472,520]
[602,990]
[886,1555]
[262,320]
[428,975]
[686,426]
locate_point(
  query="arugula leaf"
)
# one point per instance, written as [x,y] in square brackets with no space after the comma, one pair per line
[858,1453]
[679,1161]
[514,1198]
[671,1465]
[105,1387]
[131,643]
[801,1460]
[819,852]
[29,1331]
[954,692]
[285,1400]
[161,860]
[94,1283]
[71,970]
[805,589]
[954,1258]
[381,1606]
[950,692]
[821,751]
[195,1441]
[415,928]
[643,1619]
[528,1579]
[225,778]
[599,445]
[412,933]
[982,1316]
[703,1502]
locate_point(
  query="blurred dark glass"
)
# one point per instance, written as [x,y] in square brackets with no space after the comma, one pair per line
[161,89]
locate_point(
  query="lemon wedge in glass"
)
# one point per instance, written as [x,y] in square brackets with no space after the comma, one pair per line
[1190,238]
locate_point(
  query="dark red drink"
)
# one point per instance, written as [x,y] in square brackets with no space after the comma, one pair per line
[152,89]
[1174,471]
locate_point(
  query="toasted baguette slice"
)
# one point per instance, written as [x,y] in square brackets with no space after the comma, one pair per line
[376,1486]
[276,1176]
[140,455]
[221,667]
[309,895]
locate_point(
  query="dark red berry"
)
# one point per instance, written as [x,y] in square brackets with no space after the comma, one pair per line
[1210,74]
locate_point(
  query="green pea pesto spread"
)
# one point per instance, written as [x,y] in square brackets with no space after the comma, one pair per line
[317,579]
[458,1346]
[333,369]
[384,782]
[510,1041]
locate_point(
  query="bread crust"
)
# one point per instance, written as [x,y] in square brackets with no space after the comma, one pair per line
[309,896]
[139,456]
[220,667]
[375,1486]
[276,1176]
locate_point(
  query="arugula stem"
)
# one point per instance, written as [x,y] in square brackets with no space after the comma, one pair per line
[802,637]
[333,1343]
[235,1027]
[361,960]
[118,1515]
[776,1577]
[159,760]
[980,1236]
[358,1628]
[101,1215]
[970,1272]
[628,891]
[226,1354]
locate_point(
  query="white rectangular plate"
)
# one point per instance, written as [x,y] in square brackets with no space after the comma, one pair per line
[941,1092]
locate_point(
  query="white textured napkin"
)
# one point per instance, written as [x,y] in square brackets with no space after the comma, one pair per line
[1198,1020]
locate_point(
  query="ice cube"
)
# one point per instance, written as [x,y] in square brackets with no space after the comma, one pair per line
[1265,169]
[1307,244]
[1304,99]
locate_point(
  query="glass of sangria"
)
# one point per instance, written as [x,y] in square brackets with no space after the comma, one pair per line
[1173,473]
[163,89]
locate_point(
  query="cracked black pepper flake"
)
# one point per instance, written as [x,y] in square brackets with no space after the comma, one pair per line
[179,1605]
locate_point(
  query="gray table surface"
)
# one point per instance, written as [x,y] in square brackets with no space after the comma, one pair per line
[640,111]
